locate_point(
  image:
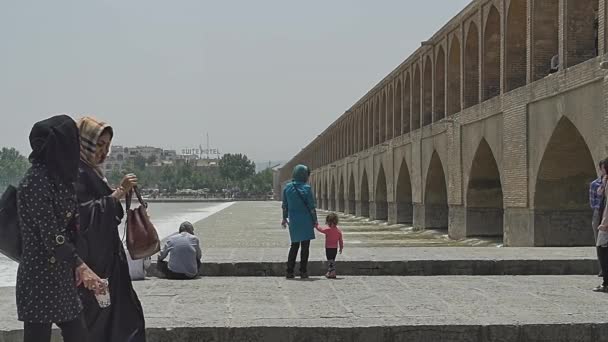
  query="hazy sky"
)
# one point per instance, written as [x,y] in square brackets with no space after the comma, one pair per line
[262,77]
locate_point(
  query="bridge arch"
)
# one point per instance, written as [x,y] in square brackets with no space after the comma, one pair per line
[364,202]
[383,117]
[325,194]
[561,202]
[332,194]
[407,107]
[440,85]
[435,195]
[581,31]
[454,76]
[351,195]
[545,35]
[484,196]
[380,197]
[516,46]
[377,125]
[341,195]
[416,90]
[398,125]
[471,67]
[427,106]
[403,194]
[390,113]
[491,55]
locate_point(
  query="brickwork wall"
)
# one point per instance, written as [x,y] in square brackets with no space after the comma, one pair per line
[491,55]
[416,103]
[439,103]
[427,92]
[516,41]
[471,67]
[454,78]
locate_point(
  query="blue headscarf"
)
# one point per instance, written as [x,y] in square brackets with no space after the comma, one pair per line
[300,173]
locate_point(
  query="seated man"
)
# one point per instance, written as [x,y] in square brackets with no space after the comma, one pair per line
[184,254]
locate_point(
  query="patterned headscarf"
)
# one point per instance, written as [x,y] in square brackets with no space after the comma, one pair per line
[90,131]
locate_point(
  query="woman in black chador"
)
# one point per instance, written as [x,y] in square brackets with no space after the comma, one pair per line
[100,245]
[50,269]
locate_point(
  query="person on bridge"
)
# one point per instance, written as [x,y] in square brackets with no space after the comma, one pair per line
[602,236]
[333,240]
[184,252]
[596,200]
[100,245]
[299,208]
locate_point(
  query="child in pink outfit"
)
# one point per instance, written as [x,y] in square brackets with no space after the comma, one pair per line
[333,239]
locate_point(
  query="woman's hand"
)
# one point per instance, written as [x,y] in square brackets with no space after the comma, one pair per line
[86,276]
[128,182]
[284,223]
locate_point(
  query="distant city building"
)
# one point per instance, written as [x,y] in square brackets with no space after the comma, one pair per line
[121,156]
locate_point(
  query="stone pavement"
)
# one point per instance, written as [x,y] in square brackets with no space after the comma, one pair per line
[455,308]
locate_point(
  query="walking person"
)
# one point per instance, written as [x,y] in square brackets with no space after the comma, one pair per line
[51,270]
[300,215]
[602,237]
[596,200]
[333,240]
[101,213]
[184,252]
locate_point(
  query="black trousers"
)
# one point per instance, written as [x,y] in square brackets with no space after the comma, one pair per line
[163,266]
[602,253]
[73,331]
[293,253]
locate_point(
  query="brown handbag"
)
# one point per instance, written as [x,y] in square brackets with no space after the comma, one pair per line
[142,238]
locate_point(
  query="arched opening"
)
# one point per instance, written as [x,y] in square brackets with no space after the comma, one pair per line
[435,196]
[341,195]
[416,89]
[561,203]
[427,107]
[491,53]
[364,203]
[382,116]
[332,195]
[398,129]
[484,210]
[351,195]
[325,196]
[545,36]
[581,31]
[454,78]
[390,114]
[440,85]
[377,136]
[369,126]
[471,67]
[407,96]
[404,206]
[517,48]
[380,197]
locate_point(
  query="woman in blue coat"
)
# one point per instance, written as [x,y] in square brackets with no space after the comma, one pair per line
[299,208]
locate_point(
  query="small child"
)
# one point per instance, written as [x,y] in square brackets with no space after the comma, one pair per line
[333,238]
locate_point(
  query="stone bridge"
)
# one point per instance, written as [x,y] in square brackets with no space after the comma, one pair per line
[474,134]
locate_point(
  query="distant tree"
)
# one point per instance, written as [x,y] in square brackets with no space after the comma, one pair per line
[151,159]
[139,163]
[236,167]
[13,166]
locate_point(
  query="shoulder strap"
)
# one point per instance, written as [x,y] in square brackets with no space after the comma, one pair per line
[295,187]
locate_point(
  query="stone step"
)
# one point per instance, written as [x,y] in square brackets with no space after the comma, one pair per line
[405,261]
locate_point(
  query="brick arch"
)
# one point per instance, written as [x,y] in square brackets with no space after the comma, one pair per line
[332,194]
[581,36]
[516,46]
[407,101]
[403,195]
[440,85]
[352,196]
[561,214]
[427,91]
[364,190]
[491,53]
[381,196]
[398,126]
[454,77]
[471,67]
[390,113]
[325,194]
[377,126]
[545,35]
[435,195]
[416,90]
[382,116]
[484,196]
[341,195]
[368,126]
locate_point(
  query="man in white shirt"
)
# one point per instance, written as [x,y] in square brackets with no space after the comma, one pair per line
[184,254]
